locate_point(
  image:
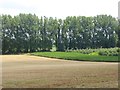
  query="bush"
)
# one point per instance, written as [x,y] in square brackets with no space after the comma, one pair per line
[100,51]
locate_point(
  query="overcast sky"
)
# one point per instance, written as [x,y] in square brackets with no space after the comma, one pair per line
[60,8]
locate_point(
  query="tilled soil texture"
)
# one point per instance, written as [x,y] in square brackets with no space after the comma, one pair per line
[24,71]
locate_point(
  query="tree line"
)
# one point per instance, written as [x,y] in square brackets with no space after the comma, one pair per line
[28,33]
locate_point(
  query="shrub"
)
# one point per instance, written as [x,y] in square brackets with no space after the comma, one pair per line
[100,51]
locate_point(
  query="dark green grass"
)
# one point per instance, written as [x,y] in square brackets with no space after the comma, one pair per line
[77,56]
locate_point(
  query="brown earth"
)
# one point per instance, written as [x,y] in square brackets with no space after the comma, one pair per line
[24,71]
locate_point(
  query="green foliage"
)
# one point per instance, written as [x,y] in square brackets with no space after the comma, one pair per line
[100,51]
[94,53]
[118,32]
[28,33]
[83,51]
[109,52]
[77,56]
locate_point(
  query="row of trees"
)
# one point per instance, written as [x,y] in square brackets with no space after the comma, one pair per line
[28,33]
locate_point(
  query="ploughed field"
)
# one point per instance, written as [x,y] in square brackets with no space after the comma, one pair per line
[25,71]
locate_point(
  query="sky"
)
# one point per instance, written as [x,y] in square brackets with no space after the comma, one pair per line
[60,8]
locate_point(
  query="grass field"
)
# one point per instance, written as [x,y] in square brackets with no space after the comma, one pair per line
[77,56]
[25,71]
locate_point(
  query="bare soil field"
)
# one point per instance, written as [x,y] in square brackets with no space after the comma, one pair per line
[24,71]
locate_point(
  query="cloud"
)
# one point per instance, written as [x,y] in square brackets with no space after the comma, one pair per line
[60,8]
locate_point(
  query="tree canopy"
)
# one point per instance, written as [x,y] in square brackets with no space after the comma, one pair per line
[27,33]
